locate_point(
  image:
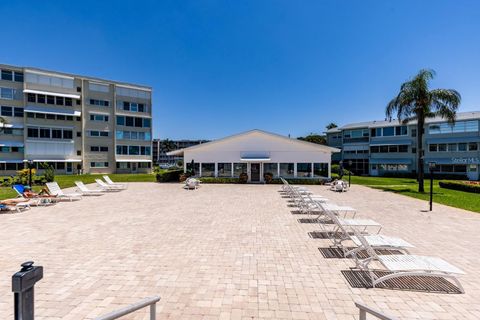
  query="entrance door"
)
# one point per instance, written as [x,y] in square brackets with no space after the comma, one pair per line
[134,167]
[69,169]
[472,172]
[255,172]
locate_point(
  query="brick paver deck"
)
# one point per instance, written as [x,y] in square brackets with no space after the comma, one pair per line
[224,252]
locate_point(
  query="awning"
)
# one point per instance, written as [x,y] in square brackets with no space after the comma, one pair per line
[11,161]
[133,160]
[53,111]
[390,142]
[254,159]
[11,125]
[11,144]
[55,160]
[56,94]
[390,161]
[454,140]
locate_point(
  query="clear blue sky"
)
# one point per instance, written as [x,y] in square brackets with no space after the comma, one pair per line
[221,67]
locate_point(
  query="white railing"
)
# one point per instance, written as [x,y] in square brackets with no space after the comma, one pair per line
[364,310]
[152,302]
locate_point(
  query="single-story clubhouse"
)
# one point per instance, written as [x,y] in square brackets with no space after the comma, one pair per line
[257,152]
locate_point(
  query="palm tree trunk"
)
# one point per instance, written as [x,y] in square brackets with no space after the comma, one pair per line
[420,153]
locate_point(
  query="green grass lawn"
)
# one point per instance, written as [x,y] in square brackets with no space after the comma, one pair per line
[409,187]
[67,181]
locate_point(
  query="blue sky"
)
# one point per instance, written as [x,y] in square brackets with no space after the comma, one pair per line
[222,67]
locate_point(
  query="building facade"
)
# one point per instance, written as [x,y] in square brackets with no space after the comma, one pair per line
[74,123]
[257,152]
[384,147]
[160,152]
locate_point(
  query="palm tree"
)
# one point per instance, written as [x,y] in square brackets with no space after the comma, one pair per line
[167,145]
[331,125]
[416,102]
[3,122]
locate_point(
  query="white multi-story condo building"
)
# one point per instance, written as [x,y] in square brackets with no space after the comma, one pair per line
[389,148]
[74,123]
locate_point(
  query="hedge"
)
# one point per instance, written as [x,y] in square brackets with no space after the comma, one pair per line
[218,180]
[169,176]
[460,186]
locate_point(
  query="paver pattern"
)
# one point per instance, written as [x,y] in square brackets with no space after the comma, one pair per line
[224,252]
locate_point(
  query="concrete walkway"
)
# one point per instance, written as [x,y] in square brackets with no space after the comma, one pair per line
[224,252]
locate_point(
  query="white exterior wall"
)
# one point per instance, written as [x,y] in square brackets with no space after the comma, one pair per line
[278,149]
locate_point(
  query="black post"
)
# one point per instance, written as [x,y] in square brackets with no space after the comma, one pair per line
[30,162]
[341,169]
[431,188]
[23,283]
[349,172]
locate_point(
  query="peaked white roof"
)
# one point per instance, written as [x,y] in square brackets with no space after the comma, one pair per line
[320,147]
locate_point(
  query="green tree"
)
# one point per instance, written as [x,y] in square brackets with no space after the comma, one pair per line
[3,122]
[331,125]
[314,138]
[416,102]
[167,145]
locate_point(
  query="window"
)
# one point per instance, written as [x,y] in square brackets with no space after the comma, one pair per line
[472,146]
[304,169]
[414,133]
[402,148]
[287,170]
[239,168]
[18,76]
[401,131]
[18,112]
[98,117]
[79,152]
[101,103]
[98,87]
[458,127]
[224,169]
[208,169]
[442,147]
[99,164]
[50,116]
[462,147]
[383,149]
[60,165]
[120,121]
[67,134]
[129,122]
[41,98]
[146,122]
[452,147]
[270,168]
[432,148]
[134,93]
[44,133]
[7,93]
[123,165]
[133,135]
[61,82]
[7,75]
[56,133]
[388,131]
[374,149]
[320,169]
[393,148]
[31,97]
[32,132]
[7,111]
[59,101]
[133,122]
[50,100]
[79,134]
[138,122]
[95,133]
[68,102]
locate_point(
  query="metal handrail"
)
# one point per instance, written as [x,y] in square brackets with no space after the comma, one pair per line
[152,302]
[364,310]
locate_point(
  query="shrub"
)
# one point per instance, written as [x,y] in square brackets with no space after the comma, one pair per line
[49,173]
[243,178]
[268,177]
[336,169]
[467,186]
[169,175]
[219,180]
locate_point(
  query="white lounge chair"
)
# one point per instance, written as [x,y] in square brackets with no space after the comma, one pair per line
[82,188]
[19,207]
[54,189]
[106,187]
[406,265]
[111,183]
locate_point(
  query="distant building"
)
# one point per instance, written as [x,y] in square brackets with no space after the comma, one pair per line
[75,123]
[160,152]
[383,147]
